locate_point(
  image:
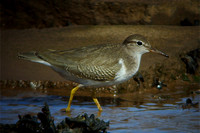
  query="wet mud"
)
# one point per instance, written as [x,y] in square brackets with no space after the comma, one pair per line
[170,109]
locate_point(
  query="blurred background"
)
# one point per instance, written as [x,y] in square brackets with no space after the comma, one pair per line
[23,14]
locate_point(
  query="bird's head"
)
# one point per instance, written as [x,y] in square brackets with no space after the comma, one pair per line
[139,44]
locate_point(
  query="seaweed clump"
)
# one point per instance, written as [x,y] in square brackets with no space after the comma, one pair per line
[44,123]
[83,124]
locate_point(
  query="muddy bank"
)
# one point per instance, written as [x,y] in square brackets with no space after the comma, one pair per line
[173,40]
[50,13]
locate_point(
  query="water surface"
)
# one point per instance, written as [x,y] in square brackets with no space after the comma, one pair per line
[150,110]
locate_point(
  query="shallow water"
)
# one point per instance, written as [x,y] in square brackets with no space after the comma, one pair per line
[148,110]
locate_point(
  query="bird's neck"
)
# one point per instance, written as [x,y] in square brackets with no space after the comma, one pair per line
[133,63]
[137,60]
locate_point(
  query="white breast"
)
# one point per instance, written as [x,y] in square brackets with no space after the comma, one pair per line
[122,73]
[138,59]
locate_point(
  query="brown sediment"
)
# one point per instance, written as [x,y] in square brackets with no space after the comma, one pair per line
[173,40]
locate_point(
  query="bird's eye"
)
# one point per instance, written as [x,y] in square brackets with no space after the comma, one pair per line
[139,43]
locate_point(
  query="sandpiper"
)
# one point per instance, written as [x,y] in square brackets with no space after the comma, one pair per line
[98,65]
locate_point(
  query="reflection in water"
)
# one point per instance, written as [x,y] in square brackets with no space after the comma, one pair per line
[143,111]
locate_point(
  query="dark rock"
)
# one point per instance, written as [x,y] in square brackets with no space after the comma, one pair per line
[27,124]
[191,60]
[47,122]
[8,128]
[83,123]
[186,22]
[189,104]
[79,124]
[30,124]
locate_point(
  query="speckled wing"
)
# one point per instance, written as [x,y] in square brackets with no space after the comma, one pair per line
[97,73]
[95,63]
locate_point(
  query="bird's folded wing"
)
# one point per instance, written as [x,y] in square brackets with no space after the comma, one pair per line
[93,72]
[90,64]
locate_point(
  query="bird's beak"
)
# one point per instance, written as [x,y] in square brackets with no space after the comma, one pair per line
[158,52]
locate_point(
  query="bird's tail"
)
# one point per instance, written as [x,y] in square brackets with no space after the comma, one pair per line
[32,56]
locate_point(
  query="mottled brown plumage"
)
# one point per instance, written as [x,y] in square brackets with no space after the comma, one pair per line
[98,65]
[78,62]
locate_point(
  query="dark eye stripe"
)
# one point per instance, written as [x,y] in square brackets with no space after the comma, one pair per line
[139,43]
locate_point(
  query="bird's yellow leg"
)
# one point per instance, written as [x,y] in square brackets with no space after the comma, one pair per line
[71,97]
[97,103]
